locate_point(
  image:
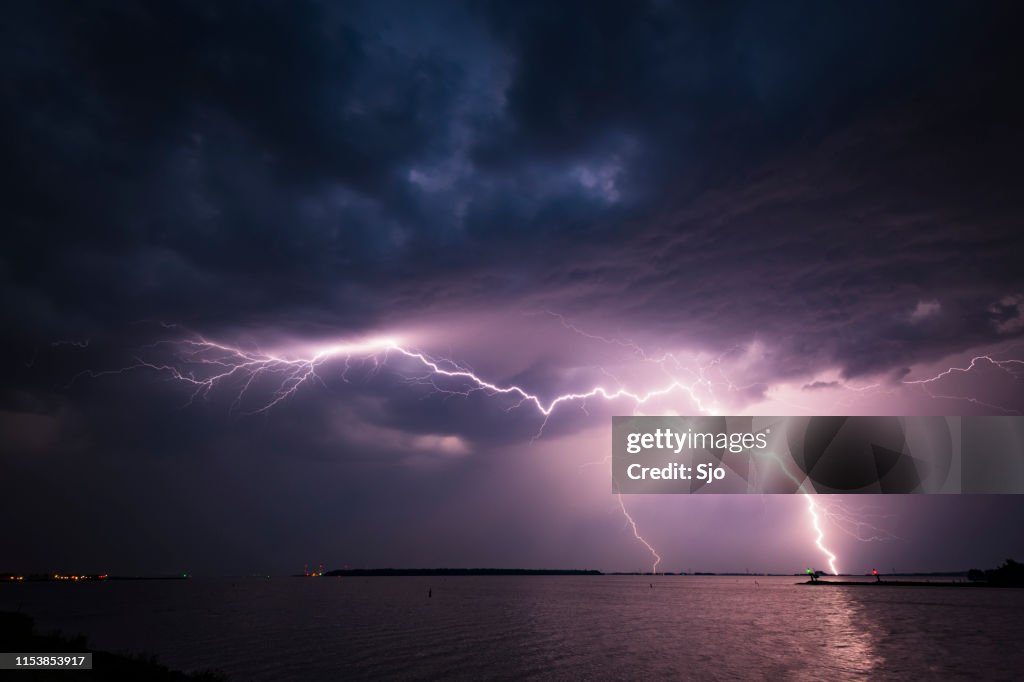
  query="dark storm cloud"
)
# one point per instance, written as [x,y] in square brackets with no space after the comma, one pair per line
[174,154]
[802,176]
[301,165]
[709,89]
[812,176]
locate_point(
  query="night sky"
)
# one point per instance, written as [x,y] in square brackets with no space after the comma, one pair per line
[792,208]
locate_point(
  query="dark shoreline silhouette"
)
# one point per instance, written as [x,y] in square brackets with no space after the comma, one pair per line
[18,633]
[1010,574]
[901,583]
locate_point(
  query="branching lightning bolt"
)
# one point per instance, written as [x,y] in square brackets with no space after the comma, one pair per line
[1013,368]
[857,523]
[211,364]
[207,365]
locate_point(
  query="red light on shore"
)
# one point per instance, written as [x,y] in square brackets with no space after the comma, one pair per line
[874,571]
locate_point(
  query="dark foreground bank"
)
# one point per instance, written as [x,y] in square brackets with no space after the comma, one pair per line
[17,634]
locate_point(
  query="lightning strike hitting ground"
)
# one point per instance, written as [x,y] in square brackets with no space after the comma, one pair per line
[636,534]
[812,508]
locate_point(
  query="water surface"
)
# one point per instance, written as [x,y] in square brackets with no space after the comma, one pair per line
[546,627]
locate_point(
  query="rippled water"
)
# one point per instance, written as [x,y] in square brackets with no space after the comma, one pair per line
[553,627]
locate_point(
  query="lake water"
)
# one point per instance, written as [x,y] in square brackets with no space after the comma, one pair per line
[545,627]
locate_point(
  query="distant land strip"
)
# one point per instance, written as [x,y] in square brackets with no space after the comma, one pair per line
[456,571]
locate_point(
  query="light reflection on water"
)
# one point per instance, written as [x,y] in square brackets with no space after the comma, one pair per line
[847,634]
[607,627]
